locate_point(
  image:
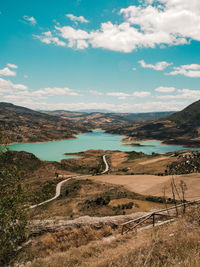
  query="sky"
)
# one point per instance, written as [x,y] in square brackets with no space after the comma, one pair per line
[116,55]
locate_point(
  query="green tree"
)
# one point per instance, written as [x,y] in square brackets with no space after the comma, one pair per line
[12,209]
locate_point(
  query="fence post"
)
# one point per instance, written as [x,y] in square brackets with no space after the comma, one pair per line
[153,219]
[184,207]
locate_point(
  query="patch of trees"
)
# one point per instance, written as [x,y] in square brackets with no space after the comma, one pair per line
[185,164]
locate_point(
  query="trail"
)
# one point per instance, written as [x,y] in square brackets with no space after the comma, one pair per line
[59,185]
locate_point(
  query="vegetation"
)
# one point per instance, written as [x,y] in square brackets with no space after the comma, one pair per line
[179,128]
[175,244]
[12,210]
[186,163]
[107,121]
[25,125]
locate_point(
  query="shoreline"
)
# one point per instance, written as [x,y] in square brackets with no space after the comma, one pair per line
[41,142]
[125,140]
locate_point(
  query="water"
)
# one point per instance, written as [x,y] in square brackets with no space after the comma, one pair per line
[54,151]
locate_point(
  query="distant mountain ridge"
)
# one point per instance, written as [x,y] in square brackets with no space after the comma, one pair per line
[189,115]
[181,128]
[107,120]
[20,124]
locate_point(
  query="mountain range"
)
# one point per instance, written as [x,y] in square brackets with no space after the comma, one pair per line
[25,125]
[181,128]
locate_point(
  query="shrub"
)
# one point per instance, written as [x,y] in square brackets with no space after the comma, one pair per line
[12,210]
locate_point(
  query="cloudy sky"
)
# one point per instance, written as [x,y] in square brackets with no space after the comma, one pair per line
[118,55]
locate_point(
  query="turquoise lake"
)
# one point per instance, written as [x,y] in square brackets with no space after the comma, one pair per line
[54,151]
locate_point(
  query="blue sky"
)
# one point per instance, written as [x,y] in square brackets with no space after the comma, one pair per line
[118,55]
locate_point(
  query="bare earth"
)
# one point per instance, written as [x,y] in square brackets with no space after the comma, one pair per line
[153,160]
[153,185]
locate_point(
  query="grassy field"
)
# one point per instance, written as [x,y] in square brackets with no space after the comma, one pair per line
[153,184]
[80,197]
[175,244]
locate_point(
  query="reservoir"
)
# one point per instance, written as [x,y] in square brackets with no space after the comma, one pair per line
[98,139]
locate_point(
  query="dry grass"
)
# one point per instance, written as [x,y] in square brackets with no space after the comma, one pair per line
[153,185]
[63,240]
[176,244]
[145,164]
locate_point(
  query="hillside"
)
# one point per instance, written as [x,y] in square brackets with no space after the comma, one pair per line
[182,128]
[188,116]
[107,121]
[20,124]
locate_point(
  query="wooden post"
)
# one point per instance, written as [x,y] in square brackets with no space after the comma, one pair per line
[153,217]
[122,230]
[184,207]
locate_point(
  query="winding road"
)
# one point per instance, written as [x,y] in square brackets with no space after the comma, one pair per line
[106,163]
[59,185]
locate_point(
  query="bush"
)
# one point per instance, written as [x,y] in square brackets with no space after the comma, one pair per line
[12,210]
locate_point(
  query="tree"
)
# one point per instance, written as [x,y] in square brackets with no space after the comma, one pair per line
[12,209]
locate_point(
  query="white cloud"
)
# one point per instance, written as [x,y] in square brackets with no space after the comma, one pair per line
[164,89]
[12,66]
[48,38]
[70,33]
[133,68]
[192,70]
[7,72]
[7,86]
[122,95]
[56,91]
[157,66]
[94,92]
[32,20]
[76,38]
[141,94]
[168,22]
[182,94]
[75,18]
[117,94]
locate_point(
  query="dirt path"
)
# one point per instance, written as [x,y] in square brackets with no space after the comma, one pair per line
[59,185]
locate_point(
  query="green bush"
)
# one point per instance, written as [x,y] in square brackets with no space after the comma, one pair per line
[12,210]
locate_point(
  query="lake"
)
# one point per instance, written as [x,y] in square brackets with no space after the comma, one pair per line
[98,139]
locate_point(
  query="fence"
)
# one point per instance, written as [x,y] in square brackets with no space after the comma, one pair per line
[164,213]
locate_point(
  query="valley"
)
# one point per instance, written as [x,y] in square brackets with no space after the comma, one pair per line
[104,182]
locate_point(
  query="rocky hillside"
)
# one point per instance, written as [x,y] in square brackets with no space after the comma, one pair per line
[179,128]
[107,121]
[20,124]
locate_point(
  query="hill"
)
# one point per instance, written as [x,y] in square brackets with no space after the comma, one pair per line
[21,124]
[188,116]
[107,121]
[181,128]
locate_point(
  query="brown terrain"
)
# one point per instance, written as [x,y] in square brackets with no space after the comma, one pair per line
[181,128]
[82,226]
[22,125]
[154,185]
[107,120]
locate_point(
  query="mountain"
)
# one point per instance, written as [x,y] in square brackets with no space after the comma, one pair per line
[188,116]
[21,124]
[94,111]
[107,121]
[181,128]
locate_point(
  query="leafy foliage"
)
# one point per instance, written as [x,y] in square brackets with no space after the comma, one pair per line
[12,210]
